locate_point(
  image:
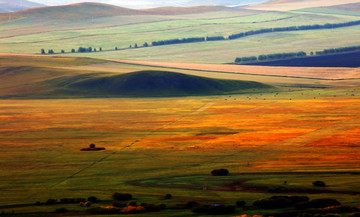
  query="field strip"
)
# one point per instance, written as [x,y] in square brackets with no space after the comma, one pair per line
[202,108]
[315,135]
[326,73]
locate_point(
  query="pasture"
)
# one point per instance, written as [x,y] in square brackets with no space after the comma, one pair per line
[163,146]
[30,34]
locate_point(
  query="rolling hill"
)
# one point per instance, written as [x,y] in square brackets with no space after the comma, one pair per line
[16,5]
[46,77]
[186,10]
[287,5]
[75,11]
[156,84]
[89,10]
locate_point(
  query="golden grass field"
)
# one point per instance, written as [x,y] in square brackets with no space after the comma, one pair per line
[299,130]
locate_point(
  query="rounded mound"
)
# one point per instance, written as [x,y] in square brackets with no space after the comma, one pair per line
[161,83]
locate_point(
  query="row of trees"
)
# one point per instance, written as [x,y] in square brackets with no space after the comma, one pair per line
[337,50]
[238,35]
[276,56]
[279,56]
[294,28]
[178,41]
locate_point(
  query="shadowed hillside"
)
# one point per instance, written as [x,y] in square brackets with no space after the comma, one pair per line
[157,84]
[74,11]
[95,10]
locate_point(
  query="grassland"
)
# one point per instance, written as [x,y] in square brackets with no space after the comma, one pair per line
[31,34]
[154,147]
[152,139]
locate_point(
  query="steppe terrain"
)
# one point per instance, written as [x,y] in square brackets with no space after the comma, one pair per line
[169,115]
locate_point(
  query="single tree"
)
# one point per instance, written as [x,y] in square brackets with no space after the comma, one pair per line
[42,51]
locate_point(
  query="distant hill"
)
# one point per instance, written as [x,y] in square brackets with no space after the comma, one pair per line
[286,5]
[230,3]
[96,10]
[16,5]
[346,7]
[186,10]
[155,84]
[76,11]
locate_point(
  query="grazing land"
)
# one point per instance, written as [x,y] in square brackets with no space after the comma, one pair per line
[154,147]
[178,129]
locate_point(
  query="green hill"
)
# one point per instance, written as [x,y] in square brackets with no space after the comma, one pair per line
[155,84]
[74,11]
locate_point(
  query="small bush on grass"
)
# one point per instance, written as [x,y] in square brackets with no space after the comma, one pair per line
[319,184]
[318,203]
[191,204]
[93,199]
[121,196]
[275,202]
[220,172]
[240,203]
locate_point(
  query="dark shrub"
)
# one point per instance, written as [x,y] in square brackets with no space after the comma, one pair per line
[220,172]
[121,196]
[318,203]
[341,209]
[118,204]
[240,203]
[62,210]
[93,199]
[297,199]
[274,202]
[72,200]
[92,145]
[38,203]
[51,201]
[319,184]
[191,204]
[132,203]
[168,196]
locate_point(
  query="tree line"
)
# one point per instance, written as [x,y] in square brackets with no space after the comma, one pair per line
[279,56]
[230,37]
[294,28]
[268,57]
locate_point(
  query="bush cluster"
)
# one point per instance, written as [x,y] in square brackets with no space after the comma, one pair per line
[220,172]
[318,203]
[122,196]
[277,202]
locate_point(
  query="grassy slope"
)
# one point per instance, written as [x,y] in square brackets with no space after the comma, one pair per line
[46,77]
[29,37]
